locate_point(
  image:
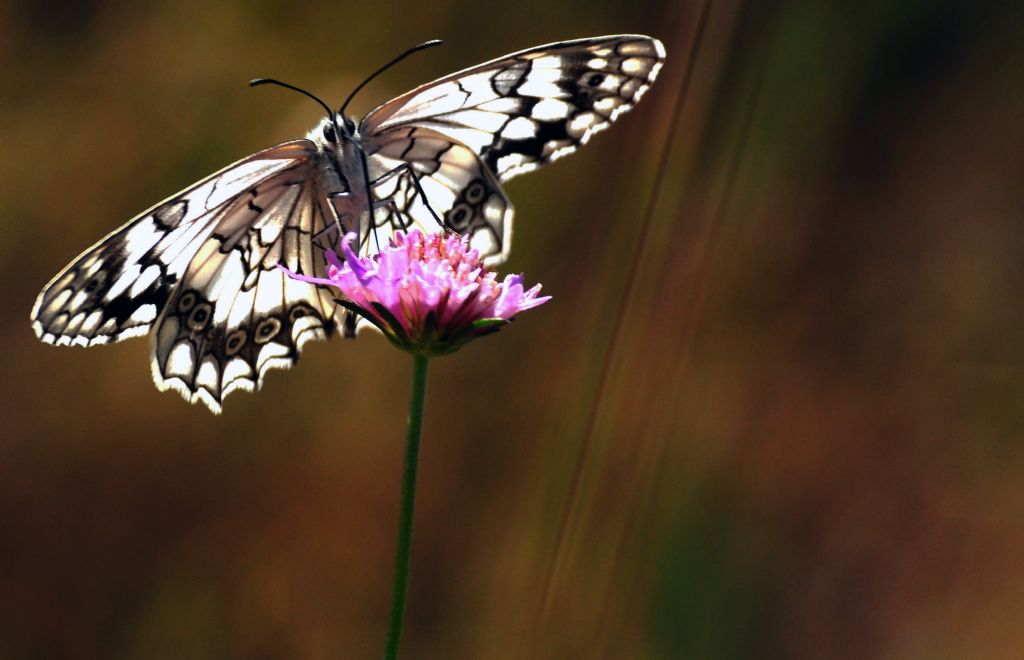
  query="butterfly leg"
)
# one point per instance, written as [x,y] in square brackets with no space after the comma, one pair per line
[406,168]
[348,208]
[423,195]
[343,204]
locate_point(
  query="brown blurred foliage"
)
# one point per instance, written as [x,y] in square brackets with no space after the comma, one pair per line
[803,439]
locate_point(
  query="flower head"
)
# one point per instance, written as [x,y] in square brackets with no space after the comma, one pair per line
[428,294]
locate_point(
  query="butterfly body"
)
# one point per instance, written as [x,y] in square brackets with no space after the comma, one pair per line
[199,271]
[342,168]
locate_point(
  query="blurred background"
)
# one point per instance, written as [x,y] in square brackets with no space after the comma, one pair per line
[775,409]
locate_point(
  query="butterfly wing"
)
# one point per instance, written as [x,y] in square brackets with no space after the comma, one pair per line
[460,189]
[117,288]
[236,315]
[214,246]
[514,114]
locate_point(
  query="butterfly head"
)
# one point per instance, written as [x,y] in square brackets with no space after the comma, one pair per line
[336,130]
[347,124]
[331,126]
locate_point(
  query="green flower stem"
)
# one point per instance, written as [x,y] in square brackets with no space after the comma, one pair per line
[412,453]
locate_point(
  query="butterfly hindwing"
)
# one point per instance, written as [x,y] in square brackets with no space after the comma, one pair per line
[236,315]
[462,192]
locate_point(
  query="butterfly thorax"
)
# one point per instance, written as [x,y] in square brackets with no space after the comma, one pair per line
[343,170]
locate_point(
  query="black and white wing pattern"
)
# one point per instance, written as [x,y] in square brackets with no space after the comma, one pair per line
[202,267]
[465,133]
[459,188]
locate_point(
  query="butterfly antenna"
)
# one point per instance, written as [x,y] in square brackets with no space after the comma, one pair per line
[270,81]
[414,49]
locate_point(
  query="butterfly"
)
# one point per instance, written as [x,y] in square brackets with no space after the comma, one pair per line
[199,271]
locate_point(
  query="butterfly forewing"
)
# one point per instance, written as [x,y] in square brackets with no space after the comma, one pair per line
[117,288]
[515,114]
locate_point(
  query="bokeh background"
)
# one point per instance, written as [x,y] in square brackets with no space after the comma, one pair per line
[775,409]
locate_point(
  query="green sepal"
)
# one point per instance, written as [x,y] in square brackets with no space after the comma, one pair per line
[394,328]
[361,313]
[487,323]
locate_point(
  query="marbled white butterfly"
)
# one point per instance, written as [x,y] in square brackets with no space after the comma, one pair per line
[200,268]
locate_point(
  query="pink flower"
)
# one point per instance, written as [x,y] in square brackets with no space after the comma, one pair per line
[428,294]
